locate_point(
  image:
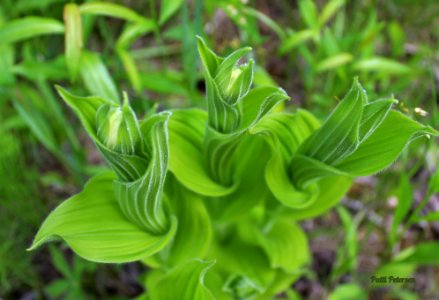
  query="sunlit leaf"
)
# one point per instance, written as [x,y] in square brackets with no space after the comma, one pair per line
[93,225]
[185,280]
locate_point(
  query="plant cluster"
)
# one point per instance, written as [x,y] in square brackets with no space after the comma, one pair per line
[210,199]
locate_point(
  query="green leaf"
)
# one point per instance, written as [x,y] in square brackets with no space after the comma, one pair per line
[186,133]
[339,135]
[384,145]
[133,31]
[331,190]
[110,10]
[96,77]
[28,27]
[194,232]
[382,65]
[283,241]
[168,8]
[284,133]
[249,269]
[73,38]
[93,225]
[185,280]
[309,14]
[141,199]
[334,62]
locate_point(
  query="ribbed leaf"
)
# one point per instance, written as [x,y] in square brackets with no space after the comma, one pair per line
[384,145]
[331,190]
[258,103]
[186,281]
[28,27]
[127,166]
[186,133]
[339,134]
[141,200]
[93,225]
[284,133]
[248,175]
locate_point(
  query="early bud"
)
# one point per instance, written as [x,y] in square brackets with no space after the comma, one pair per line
[117,127]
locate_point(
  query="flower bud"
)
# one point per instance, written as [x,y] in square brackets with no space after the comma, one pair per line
[117,128]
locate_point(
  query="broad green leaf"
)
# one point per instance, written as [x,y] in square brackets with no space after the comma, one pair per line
[382,65]
[194,232]
[283,241]
[305,170]
[96,77]
[296,39]
[284,133]
[348,291]
[110,10]
[248,175]
[331,190]
[258,103]
[186,132]
[168,8]
[405,198]
[334,62]
[28,27]
[384,145]
[374,114]
[73,38]
[93,225]
[263,78]
[185,280]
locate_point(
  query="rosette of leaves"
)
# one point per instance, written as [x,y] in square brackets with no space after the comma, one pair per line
[119,216]
[237,178]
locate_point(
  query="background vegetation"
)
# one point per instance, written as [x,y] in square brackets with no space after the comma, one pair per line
[312,49]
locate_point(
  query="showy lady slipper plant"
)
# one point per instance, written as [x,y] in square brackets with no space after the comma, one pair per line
[210,200]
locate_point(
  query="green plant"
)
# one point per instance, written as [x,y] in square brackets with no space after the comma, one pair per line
[210,201]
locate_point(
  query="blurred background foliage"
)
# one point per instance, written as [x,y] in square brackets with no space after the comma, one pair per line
[312,49]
